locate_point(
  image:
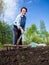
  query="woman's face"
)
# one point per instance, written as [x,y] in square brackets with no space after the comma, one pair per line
[23,11]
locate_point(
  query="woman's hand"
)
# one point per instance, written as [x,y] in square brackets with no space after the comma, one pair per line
[22,31]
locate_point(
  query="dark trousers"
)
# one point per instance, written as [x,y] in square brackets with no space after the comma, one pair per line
[17,34]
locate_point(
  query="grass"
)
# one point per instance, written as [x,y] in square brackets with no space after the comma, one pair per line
[2,46]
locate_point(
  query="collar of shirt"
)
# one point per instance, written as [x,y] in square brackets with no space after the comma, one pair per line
[21,15]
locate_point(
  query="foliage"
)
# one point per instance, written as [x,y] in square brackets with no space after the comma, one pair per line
[34,35]
[44,33]
[30,33]
[5,33]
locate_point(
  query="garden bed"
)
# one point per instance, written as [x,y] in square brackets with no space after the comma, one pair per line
[25,56]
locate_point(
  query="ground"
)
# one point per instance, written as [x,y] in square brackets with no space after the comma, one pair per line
[25,56]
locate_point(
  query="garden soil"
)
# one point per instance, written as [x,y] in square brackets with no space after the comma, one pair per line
[25,56]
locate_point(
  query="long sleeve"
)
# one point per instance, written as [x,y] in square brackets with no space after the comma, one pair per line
[17,21]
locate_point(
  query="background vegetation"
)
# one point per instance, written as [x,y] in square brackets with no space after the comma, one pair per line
[39,36]
[5,33]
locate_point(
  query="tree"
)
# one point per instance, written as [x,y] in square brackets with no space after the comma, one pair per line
[1,6]
[42,29]
[34,35]
[30,33]
[5,32]
[44,34]
[42,26]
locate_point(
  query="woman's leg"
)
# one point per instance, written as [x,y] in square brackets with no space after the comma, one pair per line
[15,34]
[19,36]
